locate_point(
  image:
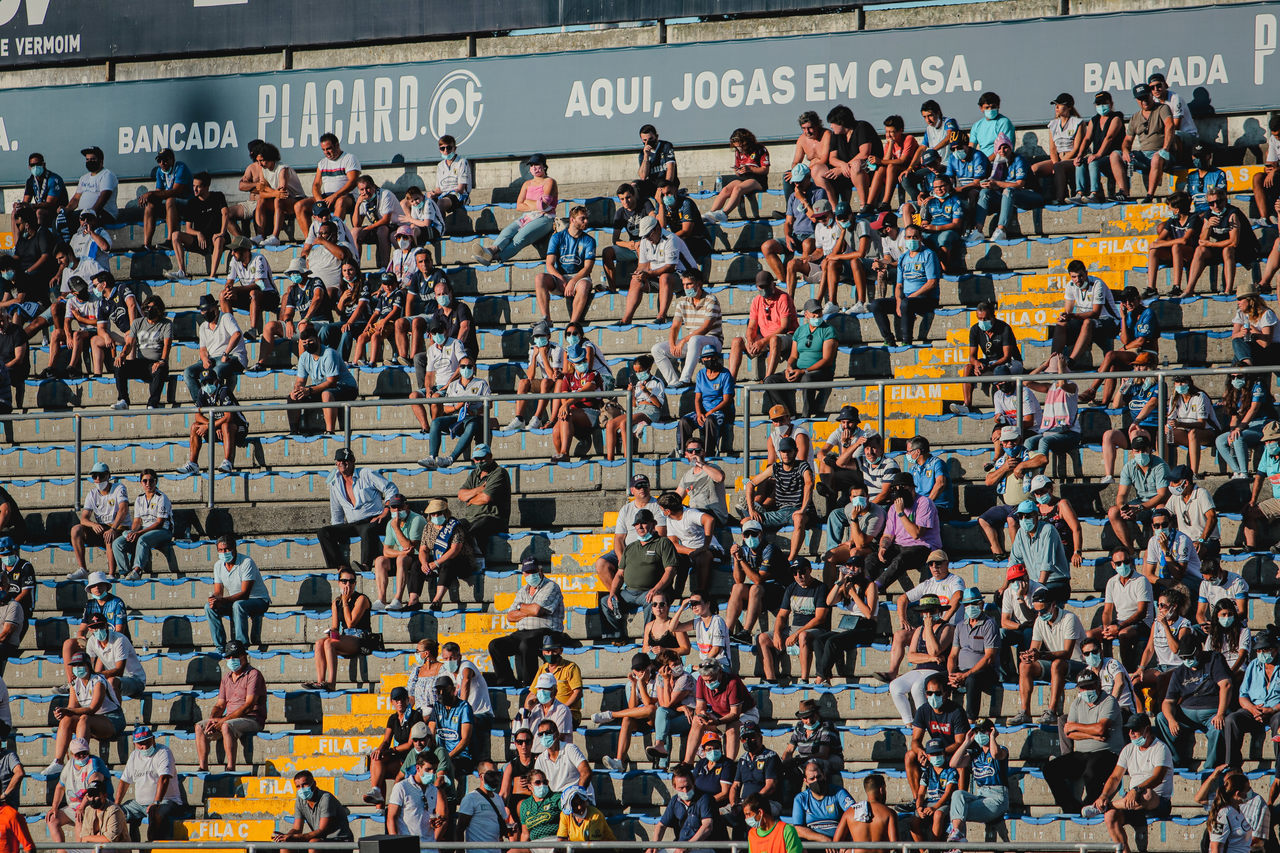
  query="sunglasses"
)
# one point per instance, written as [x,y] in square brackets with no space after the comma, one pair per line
[346,580]
[695,603]
[933,693]
[523,741]
[937,562]
[99,477]
[148,480]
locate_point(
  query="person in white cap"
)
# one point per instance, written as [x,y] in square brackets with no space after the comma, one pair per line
[661,258]
[542,704]
[72,782]
[306,304]
[104,516]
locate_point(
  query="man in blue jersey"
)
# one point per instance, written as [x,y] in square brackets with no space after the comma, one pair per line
[571,256]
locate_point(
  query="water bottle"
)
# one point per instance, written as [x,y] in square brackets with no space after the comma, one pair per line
[719,182]
[700,191]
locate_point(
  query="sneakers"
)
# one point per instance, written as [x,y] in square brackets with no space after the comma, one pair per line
[428,462]
[1090,811]
[613,763]
[999,235]
[514,423]
[1021,718]
[959,409]
[483,255]
[396,605]
[226,467]
[1049,718]
[830,308]
[657,752]
[175,275]
[272,242]
[1240,475]
[857,308]
[444,461]
[973,235]
[256,239]
[599,718]
[54,768]
[62,690]
[120,405]
[535,422]
[189,468]
[379,605]
[135,575]
[373,797]
[78,575]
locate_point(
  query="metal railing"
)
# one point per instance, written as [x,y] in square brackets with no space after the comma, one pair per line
[581,846]
[743,395]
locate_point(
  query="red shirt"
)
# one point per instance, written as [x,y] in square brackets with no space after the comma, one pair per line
[758,158]
[732,692]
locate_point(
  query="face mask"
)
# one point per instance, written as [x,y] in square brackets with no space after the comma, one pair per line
[1267,657]
[209,389]
[814,322]
[295,277]
[467,372]
[859,502]
[1046,614]
[1182,389]
[1043,499]
[815,787]
[1226,620]
[1124,569]
[985,325]
[1091,696]
[444,300]
[1273,448]
[235,664]
[544,697]
[982,739]
[547,739]
[9,275]
[82,762]
[403,244]
[935,701]
[972,611]
[572,340]
[1093,660]
[937,760]
[541,341]
[100,634]
[37,171]
[1144,459]
[227,557]
[1189,662]
[913,245]
[80,672]
[1101,109]
[450,666]
[752,822]
[752,541]
[304,792]
[97,596]
[540,791]
[963,154]
[645,537]
[714,755]
[1237,384]
[691,292]
[10,560]
[439,338]
[1027,524]
[534,579]
[1139,741]
[989,114]
[438,520]
[813,727]
[1149,382]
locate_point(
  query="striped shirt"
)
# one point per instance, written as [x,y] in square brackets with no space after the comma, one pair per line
[692,314]
[788,485]
[549,597]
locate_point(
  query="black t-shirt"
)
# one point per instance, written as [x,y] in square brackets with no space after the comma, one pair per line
[114,309]
[946,722]
[400,731]
[20,577]
[707,779]
[28,249]
[460,314]
[1179,231]
[629,220]
[991,344]
[754,770]
[1197,689]
[9,343]
[205,214]
[17,525]
[685,212]
[863,133]
[803,602]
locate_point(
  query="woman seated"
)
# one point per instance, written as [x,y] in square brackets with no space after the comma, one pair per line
[574,418]
[350,631]
[536,205]
[751,168]
[1191,422]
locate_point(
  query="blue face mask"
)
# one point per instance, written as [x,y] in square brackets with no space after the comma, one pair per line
[235,664]
[81,672]
[937,760]
[1267,656]
[972,611]
[1046,614]
[304,792]
[1027,524]
[444,300]
[859,502]
[1182,389]
[935,701]
[1273,448]
[37,171]
[439,338]
[9,275]
[714,755]
[544,697]
[985,325]
[913,245]
[1226,620]
[467,372]
[295,277]
[642,377]
[547,740]
[209,389]
[100,634]
[10,560]
[1144,459]
[1094,660]
[1102,109]
[227,557]
[541,341]
[1124,569]
[752,822]
[645,537]
[438,520]
[989,113]
[1093,697]
[570,340]
[1140,741]
[1043,499]
[752,541]
[982,739]
[540,791]
[1237,384]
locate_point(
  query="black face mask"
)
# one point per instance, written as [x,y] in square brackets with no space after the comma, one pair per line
[312,346]
[210,315]
[154,313]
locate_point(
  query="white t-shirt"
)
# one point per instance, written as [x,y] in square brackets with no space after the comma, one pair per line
[345,237]
[414,817]
[443,360]
[1063,133]
[84,692]
[555,357]
[1273,149]
[825,235]
[688,529]
[91,186]
[946,589]
[256,272]
[144,773]
[1006,406]
[893,247]
[117,648]
[562,772]
[1182,120]
[104,506]
[1111,671]
[85,268]
[149,510]
[1230,586]
[1142,763]
[1167,655]
[1267,321]
[234,576]
[1190,515]
[1054,635]
[1129,597]
[333,173]
[453,176]
[671,249]
[1019,609]
[325,266]
[716,635]
[389,204]
[85,247]
[475,387]
[626,519]
[1181,548]
[1094,293]
[478,695]
[215,340]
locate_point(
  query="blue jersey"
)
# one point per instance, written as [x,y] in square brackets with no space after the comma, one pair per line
[1136,396]
[1199,186]
[988,771]
[1013,170]
[449,722]
[914,270]
[111,607]
[942,211]
[936,781]
[1142,323]
[180,175]
[974,168]
[713,390]
[801,224]
[821,815]
[925,475]
[571,253]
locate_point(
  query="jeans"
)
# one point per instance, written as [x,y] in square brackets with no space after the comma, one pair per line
[984,682]
[664,359]
[912,307]
[334,537]
[1009,199]
[1011,643]
[1192,720]
[985,804]
[227,371]
[152,540]
[140,368]
[837,527]
[465,429]
[513,238]
[1240,723]
[241,612]
[667,724]
[1056,440]
[160,828]
[951,242]
[628,600]
[1236,453]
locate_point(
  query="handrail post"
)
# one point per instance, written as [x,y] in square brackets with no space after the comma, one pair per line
[880,412]
[486,430]
[346,422]
[1017,390]
[1162,406]
[211,438]
[746,432]
[79,467]
[629,437]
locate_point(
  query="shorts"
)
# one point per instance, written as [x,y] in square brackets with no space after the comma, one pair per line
[1270,508]
[610,557]
[116,719]
[653,413]
[117,337]
[1138,817]
[814,275]
[268,300]
[1141,160]
[460,197]
[998,515]
[593,415]
[623,255]
[132,687]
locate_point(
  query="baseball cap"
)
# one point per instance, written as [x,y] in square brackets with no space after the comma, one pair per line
[546,681]
[748,728]
[1026,507]
[240,243]
[1015,572]
[542,327]
[709,665]
[89,214]
[764,278]
[902,478]
[7,545]
[1179,474]
[550,642]
[1138,723]
[640,481]
[399,694]
[930,157]
[1010,433]
[92,149]
[419,731]
[1140,442]
[984,724]
[812,306]
[821,206]
[344,454]
[800,564]
[751,524]
[1142,91]
[233,649]
[644,516]
[648,225]
[97,620]
[207,302]
[396,501]
[529,565]
[166,154]
[78,745]
[800,173]
[1043,594]
[972,595]
[1040,481]
[711,736]
[142,733]
[786,444]
[778,411]
[1065,99]
[935,746]
[320,208]
[79,657]
[100,468]
[481,451]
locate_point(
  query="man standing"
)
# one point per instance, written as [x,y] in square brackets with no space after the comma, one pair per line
[537,612]
[357,506]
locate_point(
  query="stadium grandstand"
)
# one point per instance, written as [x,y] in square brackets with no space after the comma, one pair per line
[871,441]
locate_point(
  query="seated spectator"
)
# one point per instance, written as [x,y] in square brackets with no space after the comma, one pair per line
[399,557]
[713,773]
[1066,135]
[1138,399]
[420,305]
[988,764]
[104,516]
[13,625]
[240,711]
[1191,421]
[642,705]
[1199,698]
[350,631]
[1259,699]
[751,175]
[937,784]
[436,368]
[334,184]
[1093,728]
[927,650]
[559,760]
[678,213]
[418,805]
[1089,314]
[1228,635]
[1171,559]
[692,532]
[461,420]
[376,216]
[722,701]
[1038,544]
[144,354]
[100,600]
[692,815]
[1011,489]
[538,613]
[1103,135]
[993,350]
[330,256]
[111,654]
[1111,673]
[1265,188]
[770,324]
[758,570]
[77,326]
[674,703]
[350,292]
[974,660]
[1017,617]
[231,428]
[1160,657]
[1176,241]
[205,229]
[812,739]
[656,161]
[810,264]
[1128,609]
[99,820]
[1247,406]
[803,614]
[150,530]
[647,567]
[117,310]
[574,418]
[854,599]
[1059,427]
[274,190]
[250,285]
[44,193]
[929,472]
[484,501]
[916,294]
[1009,178]
[1260,509]
[157,793]
[322,375]
[1149,764]
[1255,331]
[911,538]
[877,469]
[580,820]
[1193,512]
[423,676]
[453,177]
[967,168]
[536,204]
[817,808]
[660,258]
[92,711]
[1139,333]
[790,484]
[570,259]
[567,675]
[239,593]
[854,530]
[472,688]
[837,460]
[386,305]
[648,406]
[629,212]
[170,196]
[539,812]
[812,359]
[695,330]
[357,507]
[222,346]
[1054,652]
[713,406]
[901,152]
[447,550]
[1146,476]
[798,222]
[318,815]
[388,755]
[1149,142]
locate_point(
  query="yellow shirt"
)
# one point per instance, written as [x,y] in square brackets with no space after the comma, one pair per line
[594,828]
[568,676]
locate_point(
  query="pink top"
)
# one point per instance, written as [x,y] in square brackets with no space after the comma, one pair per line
[537,192]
